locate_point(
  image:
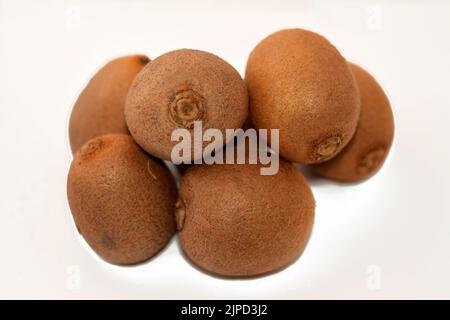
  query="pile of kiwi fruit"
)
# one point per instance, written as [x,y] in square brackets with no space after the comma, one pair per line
[231,221]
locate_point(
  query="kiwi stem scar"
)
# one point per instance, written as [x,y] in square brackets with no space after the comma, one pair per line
[180,214]
[371,160]
[186,107]
[150,170]
[327,147]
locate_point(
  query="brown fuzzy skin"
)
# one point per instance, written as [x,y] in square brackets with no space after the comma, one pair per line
[369,147]
[179,87]
[122,200]
[100,107]
[236,222]
[299,83]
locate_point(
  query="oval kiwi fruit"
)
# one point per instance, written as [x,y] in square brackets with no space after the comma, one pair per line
[181,87]
[369,147]
[300,84]
[122,200]
[100,107]
[233,221]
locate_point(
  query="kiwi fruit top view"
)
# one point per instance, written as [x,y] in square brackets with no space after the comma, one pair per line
[299,83]
[233,221]
[181,87]
[100,106]
[368,149]
[122,200]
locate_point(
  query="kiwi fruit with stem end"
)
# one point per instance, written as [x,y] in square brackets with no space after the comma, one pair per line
[299,83]
[122,200]
[233,221]
[368,149]
[100,107]
[181,87]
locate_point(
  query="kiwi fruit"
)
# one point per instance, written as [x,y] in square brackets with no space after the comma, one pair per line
[181,87]
[100,107]
[299,83]
[368,149]
[122,200]
[235,222]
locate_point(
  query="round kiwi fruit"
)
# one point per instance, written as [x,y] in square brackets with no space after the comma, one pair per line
[233,221]
[181,87]
[368,149]
[100,107]
[300,84]
[122,200]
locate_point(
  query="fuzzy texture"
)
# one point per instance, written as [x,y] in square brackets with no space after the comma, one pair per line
[299,83]
[178,88]
[236,222]
[369,147]
[100,107]
[122,200]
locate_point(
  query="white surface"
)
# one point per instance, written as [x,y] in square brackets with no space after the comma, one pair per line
[396,224]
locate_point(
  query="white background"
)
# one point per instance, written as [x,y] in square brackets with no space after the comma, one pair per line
[388,237]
